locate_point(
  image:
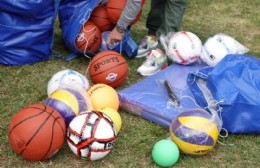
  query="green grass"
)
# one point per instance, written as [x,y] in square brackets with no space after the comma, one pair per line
[20,86]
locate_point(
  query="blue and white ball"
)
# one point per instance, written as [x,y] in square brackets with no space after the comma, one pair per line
[67,79]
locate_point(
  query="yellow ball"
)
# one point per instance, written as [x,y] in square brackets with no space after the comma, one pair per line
[102,95]
[113,115]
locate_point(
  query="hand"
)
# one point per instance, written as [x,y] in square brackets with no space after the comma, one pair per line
[114,37]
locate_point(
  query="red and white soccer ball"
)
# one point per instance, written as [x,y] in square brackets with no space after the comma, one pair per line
[91,135]
[67,78]
[184,47]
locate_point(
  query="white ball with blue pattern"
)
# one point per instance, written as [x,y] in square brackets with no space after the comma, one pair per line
[67,78]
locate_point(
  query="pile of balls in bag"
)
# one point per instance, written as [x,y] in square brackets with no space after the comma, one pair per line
[85,116]
[93,33]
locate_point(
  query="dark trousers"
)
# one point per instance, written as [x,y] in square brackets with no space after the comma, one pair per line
[165,16]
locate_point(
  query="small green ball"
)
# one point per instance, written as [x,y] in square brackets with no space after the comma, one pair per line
[165,153]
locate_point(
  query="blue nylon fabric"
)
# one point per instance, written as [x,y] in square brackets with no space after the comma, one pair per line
[236,81]
[72,15]
[26,29]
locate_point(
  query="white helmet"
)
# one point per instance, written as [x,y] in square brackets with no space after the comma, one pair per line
[218,46]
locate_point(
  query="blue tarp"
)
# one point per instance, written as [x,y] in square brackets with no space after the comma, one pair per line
[26,29]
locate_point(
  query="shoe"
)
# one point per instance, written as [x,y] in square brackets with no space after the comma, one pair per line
[154,62]
[146,45]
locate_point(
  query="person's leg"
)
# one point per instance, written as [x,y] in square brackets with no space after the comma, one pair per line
[170,22]
[154,19]
[173,14]
[153,22]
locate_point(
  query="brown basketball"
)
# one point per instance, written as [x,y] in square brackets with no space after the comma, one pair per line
[100,18]
[108,67]
[36,132]
[89,38]
[115,8]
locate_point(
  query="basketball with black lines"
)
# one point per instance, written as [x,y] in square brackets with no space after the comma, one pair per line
[89,38]
[100,18]
[36,132]
[108,67]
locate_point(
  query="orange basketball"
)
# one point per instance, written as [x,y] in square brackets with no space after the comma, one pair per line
[108,67]
[100,18]
[89,38]
[36,132]
[115,8]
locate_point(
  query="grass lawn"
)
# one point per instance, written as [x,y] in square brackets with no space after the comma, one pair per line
[21,86]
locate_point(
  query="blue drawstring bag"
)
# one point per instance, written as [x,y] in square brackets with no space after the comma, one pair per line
[234,83]
[26,29]
[72,15]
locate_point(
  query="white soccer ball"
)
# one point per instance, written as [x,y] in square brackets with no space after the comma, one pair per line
[217,47]
[91,135]
[67,79]
[184,47]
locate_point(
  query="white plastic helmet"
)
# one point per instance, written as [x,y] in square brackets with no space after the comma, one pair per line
[184,47]
[67,78]
[217,47]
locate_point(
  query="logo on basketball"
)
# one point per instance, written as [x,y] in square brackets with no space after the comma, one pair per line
[94,42]
[104,62]
[111,76]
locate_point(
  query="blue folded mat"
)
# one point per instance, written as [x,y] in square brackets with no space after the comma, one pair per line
[149,98]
